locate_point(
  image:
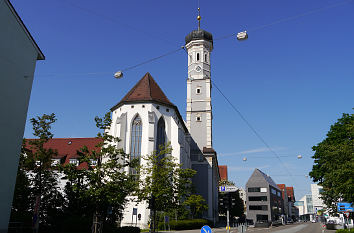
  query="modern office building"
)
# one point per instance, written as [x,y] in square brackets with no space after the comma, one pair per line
[264,199]
[305,207]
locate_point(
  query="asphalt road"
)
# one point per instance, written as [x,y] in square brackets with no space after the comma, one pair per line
[293,228]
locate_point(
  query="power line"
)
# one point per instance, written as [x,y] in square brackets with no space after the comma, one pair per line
[252,128]
[153,59]
[114,20]
[288,18]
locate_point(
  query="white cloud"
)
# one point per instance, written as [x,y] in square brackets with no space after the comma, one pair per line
[252,151]
[244,168]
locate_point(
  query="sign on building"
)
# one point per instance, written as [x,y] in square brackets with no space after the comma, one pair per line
[228,188]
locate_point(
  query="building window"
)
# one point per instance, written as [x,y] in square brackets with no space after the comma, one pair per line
[135,145]
[261,217]
[254,190]
[273,191]
[198,90]
[55,162]
[74,162]
[161,135]
[263,190]
[197,56]
[198,118]
[279,194]
[190,59]
[93,162]
[259,198]
[258,207]
[206,57]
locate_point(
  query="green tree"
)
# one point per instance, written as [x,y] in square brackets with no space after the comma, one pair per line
[226,183]
[236,209]
[38,179]
[196,204]
[103,188]
[163,183]
[334,163]
[22,201]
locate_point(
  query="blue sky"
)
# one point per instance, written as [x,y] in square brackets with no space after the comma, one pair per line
[291,79]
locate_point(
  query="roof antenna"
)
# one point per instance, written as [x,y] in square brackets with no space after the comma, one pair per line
[199,18]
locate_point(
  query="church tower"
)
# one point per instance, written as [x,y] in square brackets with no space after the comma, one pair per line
[199,44]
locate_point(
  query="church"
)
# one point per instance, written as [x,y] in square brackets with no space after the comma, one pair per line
[145,118]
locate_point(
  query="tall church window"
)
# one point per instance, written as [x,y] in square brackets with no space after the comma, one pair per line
[206,57]
[161,135]
[135,145]
[197,56]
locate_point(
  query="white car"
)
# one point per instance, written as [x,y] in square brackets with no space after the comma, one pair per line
[313,221]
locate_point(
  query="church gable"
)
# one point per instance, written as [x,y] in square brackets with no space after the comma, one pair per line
[146,90]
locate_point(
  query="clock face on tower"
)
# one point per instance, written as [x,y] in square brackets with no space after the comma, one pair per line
[198,68]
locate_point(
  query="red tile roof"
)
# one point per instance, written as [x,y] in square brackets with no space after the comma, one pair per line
[290,193]
[223,172]
[282,188]
[67,147]
[146,90]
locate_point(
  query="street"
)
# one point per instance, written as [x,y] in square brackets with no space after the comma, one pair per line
[299,227]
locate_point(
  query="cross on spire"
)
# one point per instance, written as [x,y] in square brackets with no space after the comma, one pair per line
[199,18]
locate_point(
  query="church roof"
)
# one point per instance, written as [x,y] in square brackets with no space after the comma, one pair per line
[146,90]
[199,34]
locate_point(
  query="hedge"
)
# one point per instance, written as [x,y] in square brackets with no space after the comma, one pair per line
[127,230]
[345,231]
[189,224]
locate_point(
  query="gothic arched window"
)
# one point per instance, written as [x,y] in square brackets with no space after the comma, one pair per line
[135,142]
[161,134]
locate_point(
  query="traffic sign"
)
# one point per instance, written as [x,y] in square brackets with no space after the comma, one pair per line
[228,188]
[344,207]
[347,214]
[205,229]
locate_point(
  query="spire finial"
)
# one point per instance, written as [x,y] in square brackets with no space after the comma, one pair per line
[199,18]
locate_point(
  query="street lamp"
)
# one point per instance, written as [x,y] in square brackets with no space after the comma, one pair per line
[242,36]
[118,74]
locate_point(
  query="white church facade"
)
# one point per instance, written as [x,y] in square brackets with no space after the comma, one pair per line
[145,118]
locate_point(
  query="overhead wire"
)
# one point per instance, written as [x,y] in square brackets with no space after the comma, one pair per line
[252,128]
[287,19]
[114,20]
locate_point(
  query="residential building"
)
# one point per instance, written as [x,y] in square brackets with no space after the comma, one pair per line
[293,212]
[264,200]
[18,56]
[223,172]
[317,202]
[284,194]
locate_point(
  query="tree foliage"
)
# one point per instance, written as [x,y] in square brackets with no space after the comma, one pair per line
[37,177]
[334,163]
[103,187]
[196,204]
[163,182]
[226,183]
[236,209]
